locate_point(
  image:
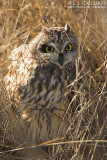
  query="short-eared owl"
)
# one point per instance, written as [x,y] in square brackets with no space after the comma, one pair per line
[38,80]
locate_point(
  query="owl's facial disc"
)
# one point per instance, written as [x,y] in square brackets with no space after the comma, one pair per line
[58,46]
[61,57]
[57,56]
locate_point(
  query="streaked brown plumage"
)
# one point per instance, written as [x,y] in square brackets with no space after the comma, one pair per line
[38,78]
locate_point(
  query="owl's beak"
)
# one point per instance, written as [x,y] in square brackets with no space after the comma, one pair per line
[61,58]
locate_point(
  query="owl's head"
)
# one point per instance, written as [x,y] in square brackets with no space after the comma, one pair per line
[56,45]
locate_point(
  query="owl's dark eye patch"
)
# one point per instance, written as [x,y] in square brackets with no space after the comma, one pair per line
[46,48]
[43,48]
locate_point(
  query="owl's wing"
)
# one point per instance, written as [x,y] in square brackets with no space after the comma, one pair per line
[21,67]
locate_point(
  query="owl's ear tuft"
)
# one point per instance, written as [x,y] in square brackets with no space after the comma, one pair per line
[67,27]
[45,29]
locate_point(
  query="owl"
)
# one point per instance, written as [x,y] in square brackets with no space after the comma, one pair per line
[38,81]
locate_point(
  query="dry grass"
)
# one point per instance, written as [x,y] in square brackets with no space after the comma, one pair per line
[86,137]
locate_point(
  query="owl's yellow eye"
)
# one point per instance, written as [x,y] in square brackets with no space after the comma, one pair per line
[68,47]
[49,49]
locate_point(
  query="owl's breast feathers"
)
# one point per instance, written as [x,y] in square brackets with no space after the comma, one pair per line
[43,101]
[45,88]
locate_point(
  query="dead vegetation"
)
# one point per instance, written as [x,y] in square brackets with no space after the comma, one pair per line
[86,137]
